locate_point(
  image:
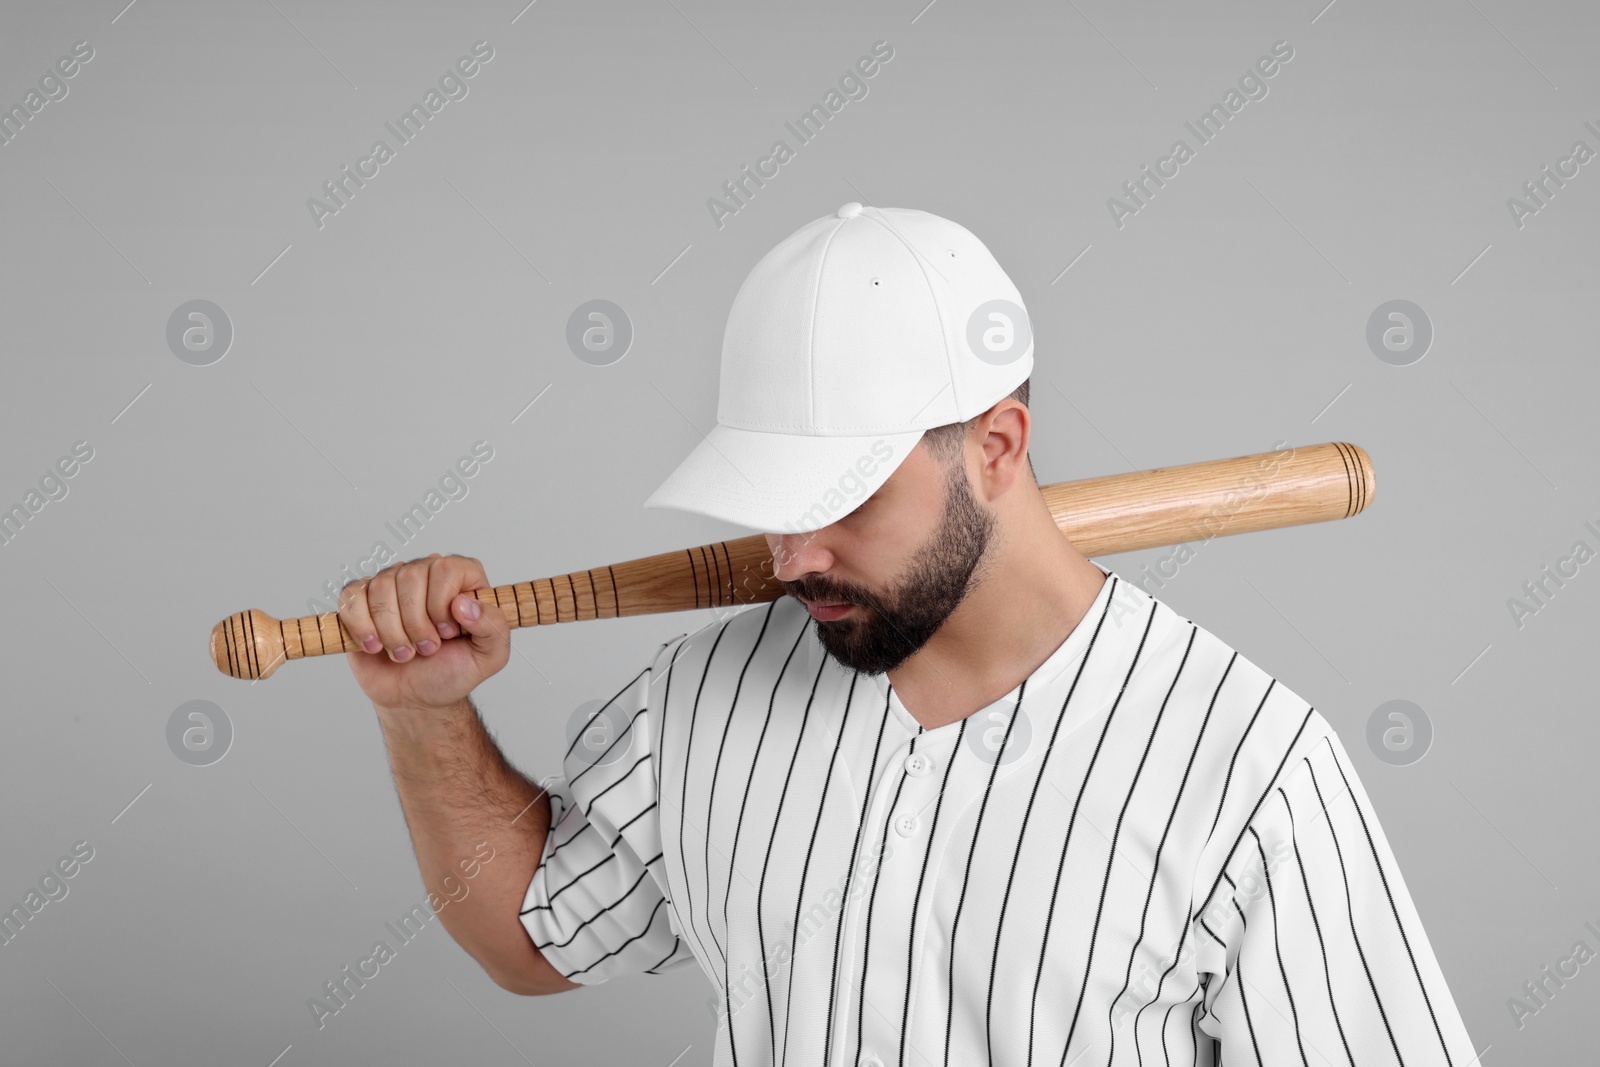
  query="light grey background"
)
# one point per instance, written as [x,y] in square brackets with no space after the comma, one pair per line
[371,353]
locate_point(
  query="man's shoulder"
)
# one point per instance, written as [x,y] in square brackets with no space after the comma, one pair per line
[1258,725]
[1252,735]
[743,630]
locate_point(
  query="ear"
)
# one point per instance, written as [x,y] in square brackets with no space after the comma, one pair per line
[1006,429]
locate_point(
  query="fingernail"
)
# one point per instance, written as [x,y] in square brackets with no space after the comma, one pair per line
[472,609]
[426,647]
[371,644]
[402,654]
[447,629]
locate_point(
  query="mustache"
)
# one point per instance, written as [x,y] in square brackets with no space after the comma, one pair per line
[817,596]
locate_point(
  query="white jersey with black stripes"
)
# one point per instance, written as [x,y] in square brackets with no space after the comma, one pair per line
[1149,851]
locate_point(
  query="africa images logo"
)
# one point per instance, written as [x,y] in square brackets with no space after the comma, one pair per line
[852,86]
[1252,86]
[452,86]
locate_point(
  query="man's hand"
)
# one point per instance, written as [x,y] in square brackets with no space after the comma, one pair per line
[427,642]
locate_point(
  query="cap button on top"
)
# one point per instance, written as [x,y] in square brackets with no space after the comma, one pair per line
[850,210]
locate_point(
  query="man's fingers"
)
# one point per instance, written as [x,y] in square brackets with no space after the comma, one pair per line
[409,608]
[412,582]
[449,576]
[384,606]
[355,616]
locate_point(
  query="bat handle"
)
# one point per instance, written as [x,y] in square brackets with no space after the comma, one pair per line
[252,644]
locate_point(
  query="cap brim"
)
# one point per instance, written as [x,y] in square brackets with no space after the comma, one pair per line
[781,483]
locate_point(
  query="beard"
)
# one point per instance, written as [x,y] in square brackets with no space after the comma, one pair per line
[888,629]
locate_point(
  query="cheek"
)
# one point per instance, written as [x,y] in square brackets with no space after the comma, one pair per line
[878,548]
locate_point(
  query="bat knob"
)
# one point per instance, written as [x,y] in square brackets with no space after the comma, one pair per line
[248,644]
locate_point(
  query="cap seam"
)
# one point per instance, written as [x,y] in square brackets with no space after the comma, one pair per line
[938,305]
[791,239]
[811,339]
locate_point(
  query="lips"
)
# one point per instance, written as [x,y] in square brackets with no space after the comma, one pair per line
[826,612]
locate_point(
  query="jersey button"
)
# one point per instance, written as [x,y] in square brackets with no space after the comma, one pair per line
[869,1060]
[905,824]
[917,765]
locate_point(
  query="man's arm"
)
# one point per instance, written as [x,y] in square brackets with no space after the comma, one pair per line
[426,646]
[458,792]
[1314,945]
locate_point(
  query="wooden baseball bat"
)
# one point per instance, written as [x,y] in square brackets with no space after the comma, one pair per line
[1100,516]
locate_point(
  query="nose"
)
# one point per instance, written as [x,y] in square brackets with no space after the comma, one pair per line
[796,555]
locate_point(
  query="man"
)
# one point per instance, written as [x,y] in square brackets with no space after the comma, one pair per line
[964,796]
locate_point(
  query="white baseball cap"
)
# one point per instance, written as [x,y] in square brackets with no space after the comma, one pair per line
[851,337]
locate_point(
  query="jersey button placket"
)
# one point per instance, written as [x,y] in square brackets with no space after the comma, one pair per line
[918,791]
[917,794]
[895,891]
[914,825]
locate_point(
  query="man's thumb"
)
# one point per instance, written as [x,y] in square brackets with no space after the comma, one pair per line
[484,622]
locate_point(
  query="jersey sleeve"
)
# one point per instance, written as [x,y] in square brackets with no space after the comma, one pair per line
[598,904]
[1309,945]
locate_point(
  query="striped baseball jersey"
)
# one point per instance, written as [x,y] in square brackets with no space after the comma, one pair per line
[1148,852]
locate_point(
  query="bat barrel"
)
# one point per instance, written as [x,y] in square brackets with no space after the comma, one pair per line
[1195,502]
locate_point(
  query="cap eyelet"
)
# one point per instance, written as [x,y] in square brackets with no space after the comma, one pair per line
[952,252]
[876,282]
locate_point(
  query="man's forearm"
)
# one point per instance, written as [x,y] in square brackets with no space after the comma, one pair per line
[458,793]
